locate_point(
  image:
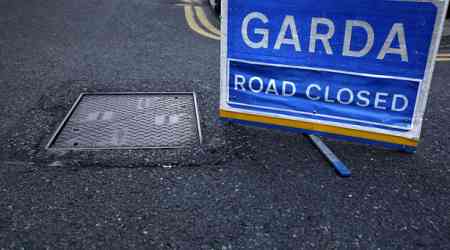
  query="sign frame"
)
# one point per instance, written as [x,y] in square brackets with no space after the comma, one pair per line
[404,140]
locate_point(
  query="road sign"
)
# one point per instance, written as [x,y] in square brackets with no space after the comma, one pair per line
[354,69]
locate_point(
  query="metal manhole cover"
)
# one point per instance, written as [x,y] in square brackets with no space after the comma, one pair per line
[129,121]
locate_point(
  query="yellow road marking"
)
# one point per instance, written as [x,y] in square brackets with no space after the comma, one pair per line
[205,22]
[211,31]
[189,14]
[183,2]
[443,57]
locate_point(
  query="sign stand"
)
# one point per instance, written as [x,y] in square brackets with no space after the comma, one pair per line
[338,165]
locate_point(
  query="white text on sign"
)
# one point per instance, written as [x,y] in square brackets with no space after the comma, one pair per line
[289,26]
[395,102]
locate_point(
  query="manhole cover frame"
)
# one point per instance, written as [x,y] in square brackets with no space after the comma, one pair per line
[69,114]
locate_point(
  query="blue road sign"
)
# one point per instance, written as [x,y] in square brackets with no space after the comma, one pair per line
[360,69]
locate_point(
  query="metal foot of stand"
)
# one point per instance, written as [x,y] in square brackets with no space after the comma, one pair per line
[331,157]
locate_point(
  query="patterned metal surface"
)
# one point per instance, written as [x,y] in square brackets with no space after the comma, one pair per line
[109,121]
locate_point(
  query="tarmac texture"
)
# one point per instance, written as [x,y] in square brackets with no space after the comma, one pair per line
[243,188]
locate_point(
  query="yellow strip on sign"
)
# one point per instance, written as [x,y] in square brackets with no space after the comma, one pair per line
[319,128]
[205,22]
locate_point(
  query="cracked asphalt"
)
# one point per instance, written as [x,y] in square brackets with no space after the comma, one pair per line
[244,188]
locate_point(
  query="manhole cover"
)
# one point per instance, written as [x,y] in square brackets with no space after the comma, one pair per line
[129,121]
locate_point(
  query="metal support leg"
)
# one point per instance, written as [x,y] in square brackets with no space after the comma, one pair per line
[331,157]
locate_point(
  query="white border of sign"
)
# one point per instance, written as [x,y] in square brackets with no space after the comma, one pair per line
[422,97]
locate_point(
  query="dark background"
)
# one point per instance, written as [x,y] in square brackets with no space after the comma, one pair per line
[244,188]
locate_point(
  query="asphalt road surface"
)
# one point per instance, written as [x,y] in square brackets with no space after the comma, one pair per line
[244,188]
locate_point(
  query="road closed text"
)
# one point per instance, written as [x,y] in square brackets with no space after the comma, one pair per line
[396,102]
[321,92]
